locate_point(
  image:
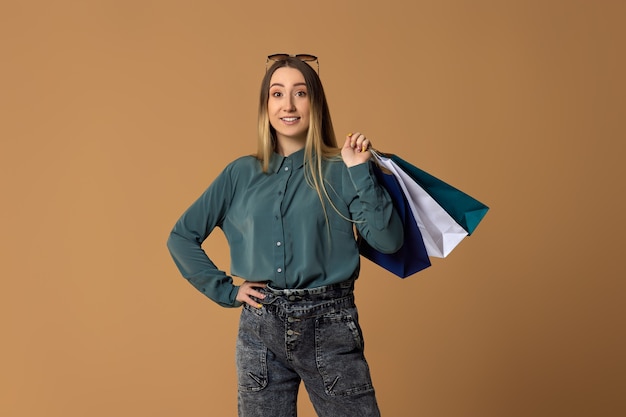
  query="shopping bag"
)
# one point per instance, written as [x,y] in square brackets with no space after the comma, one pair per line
[444,214]
[464,209]
[412,257]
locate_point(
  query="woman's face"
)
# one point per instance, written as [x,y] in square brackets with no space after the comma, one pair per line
[288,105]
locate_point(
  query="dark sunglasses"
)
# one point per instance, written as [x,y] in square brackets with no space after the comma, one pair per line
[301,57]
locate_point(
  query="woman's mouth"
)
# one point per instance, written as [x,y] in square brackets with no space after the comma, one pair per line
[289,120]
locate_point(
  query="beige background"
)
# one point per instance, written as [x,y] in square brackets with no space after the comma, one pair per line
[115,115]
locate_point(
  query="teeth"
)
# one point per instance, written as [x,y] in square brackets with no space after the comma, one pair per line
[290,119]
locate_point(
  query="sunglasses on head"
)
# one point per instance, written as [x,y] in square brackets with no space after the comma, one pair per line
[301,57]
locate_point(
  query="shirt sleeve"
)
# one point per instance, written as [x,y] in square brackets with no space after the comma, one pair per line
[193,227]
[376,219]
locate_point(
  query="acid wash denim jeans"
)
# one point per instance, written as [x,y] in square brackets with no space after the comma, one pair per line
[310,335]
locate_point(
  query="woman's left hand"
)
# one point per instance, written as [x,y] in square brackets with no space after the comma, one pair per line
[355,150]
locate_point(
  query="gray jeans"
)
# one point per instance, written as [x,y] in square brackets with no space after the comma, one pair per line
[310,335]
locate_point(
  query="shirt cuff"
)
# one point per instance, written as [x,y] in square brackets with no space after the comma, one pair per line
[362,176]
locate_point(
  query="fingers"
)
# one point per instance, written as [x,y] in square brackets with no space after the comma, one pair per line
[358,142]
[355,149]
[247,290]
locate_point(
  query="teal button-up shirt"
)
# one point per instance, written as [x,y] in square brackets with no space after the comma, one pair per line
[277,229]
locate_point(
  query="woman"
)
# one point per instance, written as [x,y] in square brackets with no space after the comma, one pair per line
[289,214]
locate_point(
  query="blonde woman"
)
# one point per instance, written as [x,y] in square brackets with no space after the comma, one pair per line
[289,214]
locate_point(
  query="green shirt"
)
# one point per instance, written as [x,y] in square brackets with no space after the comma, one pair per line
[277,229]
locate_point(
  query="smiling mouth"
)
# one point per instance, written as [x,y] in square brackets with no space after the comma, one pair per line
[289,119]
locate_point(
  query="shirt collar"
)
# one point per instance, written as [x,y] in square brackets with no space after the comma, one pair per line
[277,161]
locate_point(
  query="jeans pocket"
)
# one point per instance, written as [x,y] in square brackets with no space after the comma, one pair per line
[339,354]
[251,353]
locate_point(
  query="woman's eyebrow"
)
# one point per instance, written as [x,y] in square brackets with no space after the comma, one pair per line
[281,85]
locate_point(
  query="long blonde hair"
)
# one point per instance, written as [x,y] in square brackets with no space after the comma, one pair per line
[321,143]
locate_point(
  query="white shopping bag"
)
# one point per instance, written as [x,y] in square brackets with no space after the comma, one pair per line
[441,233]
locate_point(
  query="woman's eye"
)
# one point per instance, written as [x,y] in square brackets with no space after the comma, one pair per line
[301,93]
[276,94]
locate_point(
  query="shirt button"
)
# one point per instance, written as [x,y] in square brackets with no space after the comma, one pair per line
[278,243]
[286,168]
[292,298]
[279,270]
[290,332]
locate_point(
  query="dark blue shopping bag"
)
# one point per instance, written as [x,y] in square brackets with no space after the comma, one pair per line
[412,256]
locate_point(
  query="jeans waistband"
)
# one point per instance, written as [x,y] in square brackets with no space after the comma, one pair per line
[326,292]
